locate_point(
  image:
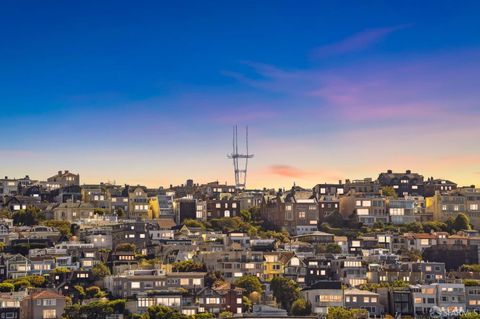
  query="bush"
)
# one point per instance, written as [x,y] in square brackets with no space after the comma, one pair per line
[6,287]
[301,307]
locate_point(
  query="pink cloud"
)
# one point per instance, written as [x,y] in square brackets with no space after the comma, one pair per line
[356,42]
[287,171]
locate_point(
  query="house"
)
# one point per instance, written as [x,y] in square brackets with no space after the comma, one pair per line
[350,271]
[65,179]
[369,208]
[43,304]
[363,299]
[324,294]
[18,266]
[10,304]
[138,200]
[432,186]
[424,299]
[404,184]
[451,296]
[73,212]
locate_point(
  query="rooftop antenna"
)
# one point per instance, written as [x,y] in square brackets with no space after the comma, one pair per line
[240,160]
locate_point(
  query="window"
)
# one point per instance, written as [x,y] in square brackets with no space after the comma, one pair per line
[49,313]
[135,285]
[367,203]
[218,205]
[473,206]
[227,213]
[301,214]
[444,208]
[49,302]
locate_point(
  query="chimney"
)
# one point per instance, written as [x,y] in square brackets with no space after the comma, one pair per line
[340,182]
[66,171]
[409,171]
[389,171]
[59,172]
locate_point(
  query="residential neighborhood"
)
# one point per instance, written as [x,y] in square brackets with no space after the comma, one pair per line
[398,245]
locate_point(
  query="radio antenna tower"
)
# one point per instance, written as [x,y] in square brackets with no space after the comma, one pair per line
[240,160]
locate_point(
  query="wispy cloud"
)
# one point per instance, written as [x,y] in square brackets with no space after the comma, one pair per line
[356,42]
[287,171]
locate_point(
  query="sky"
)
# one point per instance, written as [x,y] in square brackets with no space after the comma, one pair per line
[147,92]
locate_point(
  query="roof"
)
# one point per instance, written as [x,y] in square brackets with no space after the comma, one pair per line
[166,223]
[354,291]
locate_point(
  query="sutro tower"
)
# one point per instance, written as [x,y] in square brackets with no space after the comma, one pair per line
[240,160]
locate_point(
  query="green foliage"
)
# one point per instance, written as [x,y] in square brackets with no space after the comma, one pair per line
[61,270]
[470,315]
[21,285]
[6,287]
[100,271]
[194,223]
[330,248]
[189,266]
[96,309]
[335,220]
[28,217]
[282,237]
[250,284]
[26,282]
[213,279]
[301,307]
[99,211]
[247,304]
[163,312]
[470,267]
[94,292]
[461,222]
[126,247]
[343,313]
[471,282]
[389,191]
[285,291]
[246,215]
[79,292]
[226,315]
[393,284]
[204,315]
[63,226]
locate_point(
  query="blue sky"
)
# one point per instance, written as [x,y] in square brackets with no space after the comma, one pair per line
[147,91]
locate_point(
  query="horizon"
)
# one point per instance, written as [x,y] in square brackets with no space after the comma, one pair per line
[147,94]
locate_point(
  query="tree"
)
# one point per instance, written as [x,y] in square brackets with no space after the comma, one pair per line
[213,279]
[194,223]
[100,271]
[164,312]
[126,247]
[21,284]
[335,219]
[461,222]
[285,291]
[204,315]
[27,217]
[250,284]
[389,191]
[6,287]
[189,266]
[301,307]
[63,226]
[96,309]
[330,248]
[94,292]
[470,315]
[343,313]
[246,215]
[226,315]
